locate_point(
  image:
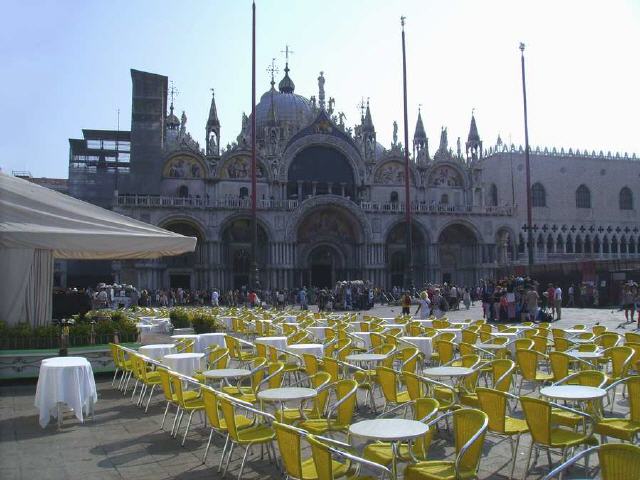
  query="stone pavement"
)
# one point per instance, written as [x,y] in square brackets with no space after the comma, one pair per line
[123,442]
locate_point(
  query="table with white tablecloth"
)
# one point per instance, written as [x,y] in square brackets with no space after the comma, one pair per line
[423,344]
[157,351]
[184,363]
[65,380]
[364,338]
[278,342]
[317,332]
[205,340]
[316,349]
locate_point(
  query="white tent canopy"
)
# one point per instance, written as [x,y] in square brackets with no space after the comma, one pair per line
[38,224]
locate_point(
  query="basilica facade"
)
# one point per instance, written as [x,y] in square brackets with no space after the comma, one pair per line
[330,197]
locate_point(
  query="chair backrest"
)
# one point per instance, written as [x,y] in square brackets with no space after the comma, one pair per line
[540,343]
[560,362]
[607,340]
[211,406]
[219,358]
[598,330]
[466,348]
[502,373]
[423,410]
[320,381]
[619,461]
[346,394]
[233,346]
[257,372]
[377,339]
[290,448]
[165,383]
[322,458]
[527,361]
[229,413]
[632,337]
[311,363]
[636,352]
[176,384]
[619,357]
[446,350]
[409,358]
[589,378]
[447,336]
[332,367]
[275,375]
[114,354]
[388,381]
[469,336]
[523,344]
[261,350]
[558,333]
[633,386]
[414,385]
[494,404]
[470,426]
[561,344]
[470,360]
[537,413]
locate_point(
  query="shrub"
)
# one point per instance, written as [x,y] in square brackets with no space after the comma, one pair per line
[203,323]
[180,318]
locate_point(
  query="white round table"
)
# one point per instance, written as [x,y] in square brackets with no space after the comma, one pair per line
[286,394]
[452,372]
[365,357]
[186,336]
[388,326]
[158,351]
[575,331]
[207,339]
[316,349]
[65,380]
[422,343]
[586,355]
[228,322]
[318,332]
[364,337]
[278,342]
[184,363]
[577,393]
[391,430]
[219,373]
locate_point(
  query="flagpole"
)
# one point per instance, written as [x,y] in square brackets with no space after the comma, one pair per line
[407,193]
[255,281]
[527,163]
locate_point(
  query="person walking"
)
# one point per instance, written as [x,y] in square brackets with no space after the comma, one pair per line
[424,306]
[557,297]
[531,299]
[628,303]
[406,303]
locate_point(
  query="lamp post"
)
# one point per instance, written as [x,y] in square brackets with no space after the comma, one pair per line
[526,161]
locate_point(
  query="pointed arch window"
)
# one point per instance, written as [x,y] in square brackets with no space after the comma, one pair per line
[538,195]
[244,192]
[183,191]
[394,197]
[583,197]
[626,199]
[493,195]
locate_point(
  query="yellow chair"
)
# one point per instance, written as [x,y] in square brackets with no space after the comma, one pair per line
[320,382]
[469,429]
[544,434]
[258,369]
[607,340]
[312,364]
[325,450]
[626,428]
[589,378]
[445,351]
[389,379]
[236,350]
[494,403]
[148,378]
[260,433]
[528,362]
[340,413]
[169,396]
[598,330]
[617,462]
[632,337]
[113,348]
[218,424]
[186,403]
[561,344]
[424,409]
[540,343]
[422,387]
[290,447]
[619,359]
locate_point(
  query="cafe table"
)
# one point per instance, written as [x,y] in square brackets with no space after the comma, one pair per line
[157,351]
[184,363]
[65,380]
[316,349]
[205,340]
[447,372]
[423,344]
[283,395]
[393,430]
[225,373]
[278,342]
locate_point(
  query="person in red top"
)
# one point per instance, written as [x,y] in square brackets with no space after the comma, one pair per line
[551,295]
[252,299]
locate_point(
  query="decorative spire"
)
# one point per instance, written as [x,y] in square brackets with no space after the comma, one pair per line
[420,133]
[286,85]
[172,121]
[367,123]
[213,120]
[474,144]
[272,69]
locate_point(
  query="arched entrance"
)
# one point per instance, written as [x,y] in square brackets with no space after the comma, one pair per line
[181,268]
[457,250]
[236,252]
[328,242]
[324,262]
[396,246]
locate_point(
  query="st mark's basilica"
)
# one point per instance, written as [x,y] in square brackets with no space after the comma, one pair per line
[331,197]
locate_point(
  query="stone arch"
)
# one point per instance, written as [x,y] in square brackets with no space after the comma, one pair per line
[184,165]
[550,245]
[237,166]
[459,221]
[623,244]
[505,241]
[605,244]
[304,208]
[560,244]
[568,246]
[181,268]
[579,244]
[631,248]
[597,245]
[391,172]
[588,245]
[540,244]
[458,253]
[435,177]
[236,239]
[323,140]
[396,254]
[614,244]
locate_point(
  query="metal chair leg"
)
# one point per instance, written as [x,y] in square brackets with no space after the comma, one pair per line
[164,417]
[526,467]
[150,395]
[244,459]
[514,456]
[184,438]
[206,450]
[224,449]
[226,467]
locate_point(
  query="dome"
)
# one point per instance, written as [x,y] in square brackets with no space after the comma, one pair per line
[288,108]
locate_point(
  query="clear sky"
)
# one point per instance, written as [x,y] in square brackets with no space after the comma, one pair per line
[65,66]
